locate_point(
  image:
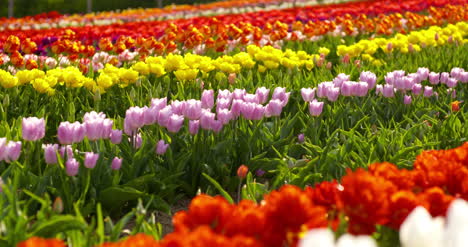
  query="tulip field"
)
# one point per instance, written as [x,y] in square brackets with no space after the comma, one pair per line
[243,123]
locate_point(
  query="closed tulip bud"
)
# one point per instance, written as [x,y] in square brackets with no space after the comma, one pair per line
[116,164]
[315,108]
[388,91]
[50,153]
[455,106]
[207,99]
[72,167]
[116,136]
[428,91]
[175,123]
[301,138]
[242,171]
[90,160]
[232,78]
[161,147]
[308,94]
[194,126]
[407,100]
[262,95]
[33,128]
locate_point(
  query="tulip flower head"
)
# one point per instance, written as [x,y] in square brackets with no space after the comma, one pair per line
[33,128]
[161,147]
[90,160]
[242,171]
[116,164]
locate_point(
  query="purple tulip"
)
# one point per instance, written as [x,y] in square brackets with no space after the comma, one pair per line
[456,72]
[251,98]
[238,94]
[193,109]
[347,88]
[423,73]
[236,108]
[333,94]
[301,138]
[33,128]
[50,153]
[259,172]
[116,164]
[262,94]
[90,160]
[161,147]
[159,103]
[207,99]
[93,115]
[315,108]
[428,91]
[464,77]
[98,128]
[224,94]
[175,123]
[222,103]
[280,93]
[134,119]
[138,141]
[164,115]
[194,126]
[362,88]
[417,89]
[224,116]
[206,119]
[12,151]
[434,78]
[340,78]
[388,91]
[72,167]
[444,76]
[452,82]
[66,150]
[378,90]
[308,94]
[150,116]
[69,133]
[178,107]
[116,136]
[216,126]
[407,100]
[274,108]
[368,77]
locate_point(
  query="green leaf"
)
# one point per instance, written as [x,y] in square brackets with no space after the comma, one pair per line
[218,186]
[114,197]
[56,225]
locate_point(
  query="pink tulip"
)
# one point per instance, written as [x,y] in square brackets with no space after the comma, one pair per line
[194,126]
[161,147]
[388,91]
[193,109]
[50,153]
[428,91]
[175,123]
[72,167]
[274,108]
[368,77]
[69,133]
[224,116]
[207,99]
[417,88]
[308,94]
[178,107]
[262,95]
[315,108]
[407,100]
[434,78]
[165,114]
[116,136]
[90,160]
[116,164]
[33,128]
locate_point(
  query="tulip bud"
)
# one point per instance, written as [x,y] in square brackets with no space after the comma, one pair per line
[242,171]
[407,100]
[455,106]
[161,147]
[50,153]
[90,160]
[301,138]
[315,108]
[116,164]
[72,167]
[116,136]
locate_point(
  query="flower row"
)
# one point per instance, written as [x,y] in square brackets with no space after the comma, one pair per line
[55,20]
[401,199]
[199,38]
